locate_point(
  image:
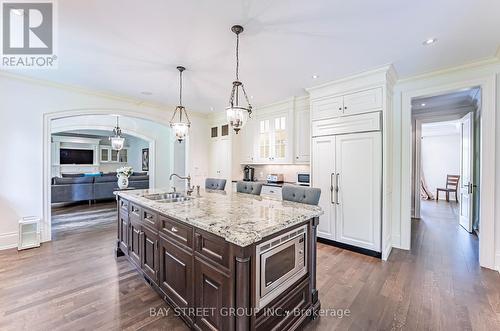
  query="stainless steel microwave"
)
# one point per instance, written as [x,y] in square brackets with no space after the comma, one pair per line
[303,178]
[281,262]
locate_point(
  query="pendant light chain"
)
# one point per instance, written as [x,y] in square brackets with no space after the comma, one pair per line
[237,56]
[180,89]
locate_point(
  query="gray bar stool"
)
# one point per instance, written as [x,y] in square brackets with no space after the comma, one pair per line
[249,187]
[215,184]
[308,195]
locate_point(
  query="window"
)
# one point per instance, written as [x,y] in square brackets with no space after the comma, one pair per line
[123,155]
[225,130]
[214,132]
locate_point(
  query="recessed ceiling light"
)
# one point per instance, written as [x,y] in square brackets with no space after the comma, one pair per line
[423,104]
[212,108]
[146,93]
[430,41]
[315,76]
[251,97]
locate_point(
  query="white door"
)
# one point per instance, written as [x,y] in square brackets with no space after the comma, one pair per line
[358,162]
[466,171]
[224,159]
[323,173]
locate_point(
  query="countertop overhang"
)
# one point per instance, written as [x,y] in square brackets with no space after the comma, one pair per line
[239,218]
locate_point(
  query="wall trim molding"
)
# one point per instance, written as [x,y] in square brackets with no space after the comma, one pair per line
[487,82]
[103,94]
[8,240]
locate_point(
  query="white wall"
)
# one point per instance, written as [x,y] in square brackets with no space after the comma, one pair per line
[136,145]
[23,104]
[440,153]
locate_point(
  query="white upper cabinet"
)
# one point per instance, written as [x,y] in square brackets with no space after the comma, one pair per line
[327,107]
[302,136]
[363,102]
[354,103]
[273,139]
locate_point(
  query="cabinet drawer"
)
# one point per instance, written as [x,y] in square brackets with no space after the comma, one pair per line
[212,247]
[271,191]
[362,102]
[134,213]
[297,299]
[176,231]
[123,205]
[149,218]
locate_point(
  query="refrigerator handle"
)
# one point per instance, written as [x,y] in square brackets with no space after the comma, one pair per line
[331,187]
[337,189]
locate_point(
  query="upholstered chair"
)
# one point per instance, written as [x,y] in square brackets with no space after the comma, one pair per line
[249,187]
[302,194]
[215,184]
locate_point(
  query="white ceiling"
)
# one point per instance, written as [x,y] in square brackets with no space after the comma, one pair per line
[125,47]
[457,99]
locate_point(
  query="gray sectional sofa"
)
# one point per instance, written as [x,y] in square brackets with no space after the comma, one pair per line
[78,187]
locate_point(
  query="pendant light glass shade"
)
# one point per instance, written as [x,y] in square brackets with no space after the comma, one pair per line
[238,115]
[117,141]
[180,126]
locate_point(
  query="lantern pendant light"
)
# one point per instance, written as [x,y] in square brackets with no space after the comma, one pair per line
[180,127]
[238,115]
[117,141]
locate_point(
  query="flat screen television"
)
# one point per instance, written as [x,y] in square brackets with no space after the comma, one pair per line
[76,156]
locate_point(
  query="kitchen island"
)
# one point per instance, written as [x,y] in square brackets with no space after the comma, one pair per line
[224,261]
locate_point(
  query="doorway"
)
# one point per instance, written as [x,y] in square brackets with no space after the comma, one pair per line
[446,159]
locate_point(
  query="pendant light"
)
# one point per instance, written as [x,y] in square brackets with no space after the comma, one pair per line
[117,141]
[238,115]
[180,127]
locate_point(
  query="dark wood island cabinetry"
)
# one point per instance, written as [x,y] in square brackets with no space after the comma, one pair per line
[211,282]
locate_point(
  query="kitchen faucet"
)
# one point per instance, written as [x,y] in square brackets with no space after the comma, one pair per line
[188,178]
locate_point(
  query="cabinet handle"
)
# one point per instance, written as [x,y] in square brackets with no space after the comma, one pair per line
[337,189]
[174,229]
[340,108]
[331,187]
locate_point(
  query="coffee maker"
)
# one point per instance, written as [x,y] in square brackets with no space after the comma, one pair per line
[248,173]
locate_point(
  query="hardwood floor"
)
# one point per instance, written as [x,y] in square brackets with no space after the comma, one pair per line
[438,285]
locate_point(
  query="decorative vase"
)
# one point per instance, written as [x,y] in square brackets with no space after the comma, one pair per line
[122,181]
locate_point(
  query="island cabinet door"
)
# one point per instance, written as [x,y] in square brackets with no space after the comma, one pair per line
[149,255]
[123,231]
[134,242]
[213,296]
[176,272]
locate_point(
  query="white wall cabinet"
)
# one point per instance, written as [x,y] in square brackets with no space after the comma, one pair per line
[349,104]
[110,155]
[220,159]
[348,169]
[273,139]
[302,136]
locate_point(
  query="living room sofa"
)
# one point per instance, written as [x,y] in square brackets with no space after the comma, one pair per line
[81,187]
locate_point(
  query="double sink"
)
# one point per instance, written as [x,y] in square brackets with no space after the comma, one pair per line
[167,197]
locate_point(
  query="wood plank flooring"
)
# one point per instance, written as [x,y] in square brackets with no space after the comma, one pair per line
[438,285]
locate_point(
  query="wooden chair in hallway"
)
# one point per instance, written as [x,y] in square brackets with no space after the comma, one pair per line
[451,187]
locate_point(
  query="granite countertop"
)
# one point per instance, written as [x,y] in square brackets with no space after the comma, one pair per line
[239,218]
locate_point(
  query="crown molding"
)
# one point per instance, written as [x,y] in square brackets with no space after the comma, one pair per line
[101,94]
[470,65]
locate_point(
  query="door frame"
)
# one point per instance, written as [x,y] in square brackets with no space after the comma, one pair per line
[487,84]
[46,223]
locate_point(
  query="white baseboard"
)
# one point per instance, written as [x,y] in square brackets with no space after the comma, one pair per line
[8,240]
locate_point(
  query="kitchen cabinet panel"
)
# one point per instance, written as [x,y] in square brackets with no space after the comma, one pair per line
[327,107]
[358,163]
[176,272]
[302,137]
[362,102]
[149,257]
[323,177]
